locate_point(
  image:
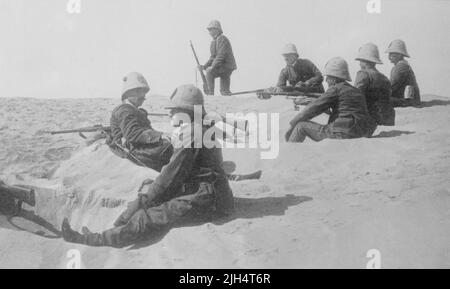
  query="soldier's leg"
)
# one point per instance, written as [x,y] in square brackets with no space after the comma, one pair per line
[200,203]
[315,131]
[398,102]
[210,79]
[146,221]
[225,82]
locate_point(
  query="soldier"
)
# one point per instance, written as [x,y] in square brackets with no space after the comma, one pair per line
[299,74]
[374,85]
[405,90]
[221,63]
[192,184]
[349,116]
[131,128]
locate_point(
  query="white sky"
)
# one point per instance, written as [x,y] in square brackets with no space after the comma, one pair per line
[47,52]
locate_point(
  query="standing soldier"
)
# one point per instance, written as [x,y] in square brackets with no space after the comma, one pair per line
[349,116]
[405,90]
[192,184]
[299,74]
[221,63]
[374,85]
[131,128]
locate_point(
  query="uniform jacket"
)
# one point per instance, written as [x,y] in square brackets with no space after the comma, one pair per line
[221,54]
[377,89]
[402,75]
[186,163]
[349,115]
[302,70]
[132,123]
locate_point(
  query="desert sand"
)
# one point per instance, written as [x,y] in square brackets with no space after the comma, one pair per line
[317,205]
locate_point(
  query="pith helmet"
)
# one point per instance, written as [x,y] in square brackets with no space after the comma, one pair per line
[186,97]
[369,52]
[134,80]
[289,49]
[398,46]
[337,67]
[214,24]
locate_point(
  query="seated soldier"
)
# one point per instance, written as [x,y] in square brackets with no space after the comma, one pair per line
[374,85]
[405,90]
[130,127]
[300,74]
[193,184]
[349,116]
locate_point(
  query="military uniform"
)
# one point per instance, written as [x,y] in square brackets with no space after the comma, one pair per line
[222,64]
[191,185]
[146,144]
[377,89]
[402,76]
[349,116]
[302,70]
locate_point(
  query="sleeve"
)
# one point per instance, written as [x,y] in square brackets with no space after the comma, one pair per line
[362,82]
[317,78]
[173,175]
[398,76]
[318,106]
[282,79]
[133,132]
[213,55]
[223,49]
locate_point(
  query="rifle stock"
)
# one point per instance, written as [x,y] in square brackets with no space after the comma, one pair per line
[202,74]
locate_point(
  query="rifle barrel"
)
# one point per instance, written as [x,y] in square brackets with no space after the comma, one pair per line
[86,129]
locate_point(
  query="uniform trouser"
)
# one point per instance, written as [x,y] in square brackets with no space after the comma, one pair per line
[153,156]
[144,221]
[313,130]
[225,80]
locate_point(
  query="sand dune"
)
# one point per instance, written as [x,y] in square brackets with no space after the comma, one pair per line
[317,205]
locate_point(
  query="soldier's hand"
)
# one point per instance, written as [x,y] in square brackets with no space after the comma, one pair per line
[287,135]
[145,183]
[201,67]
[166,137]
[300,84]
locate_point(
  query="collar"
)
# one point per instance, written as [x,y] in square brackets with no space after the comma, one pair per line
[126,101]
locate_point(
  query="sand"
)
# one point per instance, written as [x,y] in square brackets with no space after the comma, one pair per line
[317,205]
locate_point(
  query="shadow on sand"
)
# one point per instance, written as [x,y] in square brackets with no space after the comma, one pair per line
[392,133]
[434,102]
[245,208]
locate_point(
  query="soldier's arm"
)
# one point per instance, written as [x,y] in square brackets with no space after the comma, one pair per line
[212,57]
[399,76]
[282,78]
[172,176]
[362,81]
[317,78]
[318,106]
[133,132]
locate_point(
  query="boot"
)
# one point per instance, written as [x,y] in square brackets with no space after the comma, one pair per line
[70,235]
[87,238]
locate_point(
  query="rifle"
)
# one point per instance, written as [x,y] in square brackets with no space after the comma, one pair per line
[205,83]
[95,128]
[264,93]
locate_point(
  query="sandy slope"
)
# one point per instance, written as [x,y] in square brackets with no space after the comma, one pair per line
[317,205]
